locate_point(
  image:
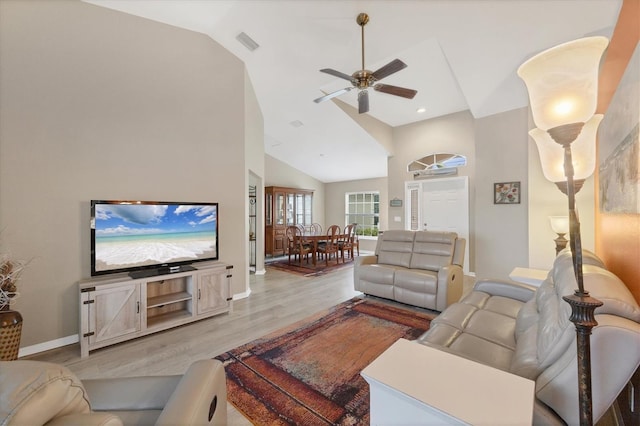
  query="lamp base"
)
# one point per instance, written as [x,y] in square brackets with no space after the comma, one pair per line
[561,243]
[583,309]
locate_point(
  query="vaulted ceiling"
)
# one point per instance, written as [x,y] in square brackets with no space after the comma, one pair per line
[461,55]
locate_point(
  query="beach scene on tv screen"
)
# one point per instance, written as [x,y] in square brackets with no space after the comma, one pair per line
[134,235]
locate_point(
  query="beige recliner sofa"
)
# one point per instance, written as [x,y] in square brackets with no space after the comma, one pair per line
[420,268]
[526,331]
[39,393]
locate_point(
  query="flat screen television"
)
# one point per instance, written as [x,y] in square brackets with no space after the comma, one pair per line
[146,238]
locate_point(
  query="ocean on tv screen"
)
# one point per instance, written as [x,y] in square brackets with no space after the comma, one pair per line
[133,235]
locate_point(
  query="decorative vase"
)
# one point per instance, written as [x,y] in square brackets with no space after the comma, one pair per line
[10,333]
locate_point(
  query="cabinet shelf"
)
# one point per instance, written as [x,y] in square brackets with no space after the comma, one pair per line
[166,299]
[169,317]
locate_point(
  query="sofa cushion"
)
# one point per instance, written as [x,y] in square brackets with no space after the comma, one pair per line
[416,280]
[395,248]
[416,287]
[432,250]
[377,280]
[483,351]
[480,327]
[379,273]
[35,392]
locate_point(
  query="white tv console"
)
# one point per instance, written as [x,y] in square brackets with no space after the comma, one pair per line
[116,309]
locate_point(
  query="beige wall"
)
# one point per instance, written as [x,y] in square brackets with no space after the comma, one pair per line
[254,164]
[278,173]
[97,104]
[335,204]
[501,240]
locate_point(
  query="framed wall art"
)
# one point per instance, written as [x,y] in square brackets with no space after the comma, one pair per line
[506,193]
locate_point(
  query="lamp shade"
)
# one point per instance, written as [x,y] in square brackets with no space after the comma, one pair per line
[559,224]
[563,82]
[583,152]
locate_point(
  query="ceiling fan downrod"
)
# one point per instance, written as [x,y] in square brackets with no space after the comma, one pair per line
[362,20]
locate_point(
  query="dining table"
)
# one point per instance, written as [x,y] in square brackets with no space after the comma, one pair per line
[314,240]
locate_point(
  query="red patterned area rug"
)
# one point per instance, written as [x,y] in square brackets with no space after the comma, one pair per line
[309,373]
[307,269]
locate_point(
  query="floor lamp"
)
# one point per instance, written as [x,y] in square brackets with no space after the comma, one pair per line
[563,86]
[560,225]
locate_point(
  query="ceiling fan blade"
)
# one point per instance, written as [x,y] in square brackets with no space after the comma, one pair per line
[336,73]
[395,90]
[392,67]
[363,102]
[333,94]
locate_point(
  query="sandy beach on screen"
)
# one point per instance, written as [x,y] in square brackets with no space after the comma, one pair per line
[133,254]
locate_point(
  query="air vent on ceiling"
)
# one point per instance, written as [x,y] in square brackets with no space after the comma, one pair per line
[247,41]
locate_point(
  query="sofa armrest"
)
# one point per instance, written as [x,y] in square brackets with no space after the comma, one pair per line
[365,260]
[86,419]
[510,289]
[130,393]
[450,284]
[200,397]
[358,262]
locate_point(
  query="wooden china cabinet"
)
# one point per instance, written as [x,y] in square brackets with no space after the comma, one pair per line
[284,207]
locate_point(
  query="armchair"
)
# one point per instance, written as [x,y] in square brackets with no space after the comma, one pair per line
[38,393]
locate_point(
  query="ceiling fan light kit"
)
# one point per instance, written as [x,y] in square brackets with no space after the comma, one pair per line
[364,79]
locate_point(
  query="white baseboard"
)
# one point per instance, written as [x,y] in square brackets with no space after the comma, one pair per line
[261,272]
[242,295]
[46,346]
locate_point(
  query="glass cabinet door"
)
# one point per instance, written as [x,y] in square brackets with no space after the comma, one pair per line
[279,208]
[290,209]
[308,209]
[300,210]
[268,210]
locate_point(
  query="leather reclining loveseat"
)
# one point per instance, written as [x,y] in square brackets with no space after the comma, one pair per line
[41,393]
[420,268]
[526,331]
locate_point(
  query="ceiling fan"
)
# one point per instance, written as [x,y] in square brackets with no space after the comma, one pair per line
[364,79]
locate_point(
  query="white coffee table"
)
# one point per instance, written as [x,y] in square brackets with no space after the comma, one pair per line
[413,384]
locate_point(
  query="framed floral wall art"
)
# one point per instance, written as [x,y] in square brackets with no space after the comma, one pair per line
[506,193]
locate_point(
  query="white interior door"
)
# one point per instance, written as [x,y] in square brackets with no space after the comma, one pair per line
[444,206]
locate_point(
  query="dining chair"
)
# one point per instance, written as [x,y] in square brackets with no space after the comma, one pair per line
[330,245]
[345,244]
[317,228]
[354,241]
[297,246]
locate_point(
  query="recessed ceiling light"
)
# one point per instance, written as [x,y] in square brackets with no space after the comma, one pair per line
[247,41]
[421,110]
